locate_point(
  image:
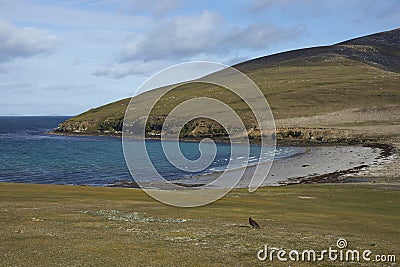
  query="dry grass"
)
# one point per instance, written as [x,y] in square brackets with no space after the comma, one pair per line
[45,225]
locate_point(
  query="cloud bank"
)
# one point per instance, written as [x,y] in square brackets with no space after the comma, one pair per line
[18,42]
[190,37]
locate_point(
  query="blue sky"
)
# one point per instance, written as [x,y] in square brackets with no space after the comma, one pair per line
[64,57]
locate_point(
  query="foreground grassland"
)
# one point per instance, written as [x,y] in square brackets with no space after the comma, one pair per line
[47,225]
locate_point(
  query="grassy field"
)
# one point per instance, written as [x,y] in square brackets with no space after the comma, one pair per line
[47,225]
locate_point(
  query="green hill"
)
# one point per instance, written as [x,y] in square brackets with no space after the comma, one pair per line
[359,75]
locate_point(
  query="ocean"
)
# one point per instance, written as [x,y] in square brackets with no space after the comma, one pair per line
[28,155]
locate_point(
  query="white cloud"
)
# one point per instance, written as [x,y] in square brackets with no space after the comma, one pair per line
[21,87]
[72,15]
[4,69]
[387,9]
[181,36]
[70,87]
[131,7]
[185,37]
[260,36]
[25,42]
[121,70]
[153,7]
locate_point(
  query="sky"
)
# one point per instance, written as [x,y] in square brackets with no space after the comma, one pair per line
[65,57]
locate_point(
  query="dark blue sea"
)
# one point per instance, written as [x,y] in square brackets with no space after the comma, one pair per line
[28,155]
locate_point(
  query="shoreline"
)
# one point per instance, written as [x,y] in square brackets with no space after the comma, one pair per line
[307,167]
[318,165]
[380,154]
[317,173]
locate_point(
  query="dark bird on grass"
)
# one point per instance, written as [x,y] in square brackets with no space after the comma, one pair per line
[253,223]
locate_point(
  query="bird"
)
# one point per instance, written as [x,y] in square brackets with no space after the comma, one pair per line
[253,223]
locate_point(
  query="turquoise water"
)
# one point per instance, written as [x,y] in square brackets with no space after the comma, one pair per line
[27,155]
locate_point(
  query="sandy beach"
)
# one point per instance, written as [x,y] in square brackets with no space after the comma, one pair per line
[315,164]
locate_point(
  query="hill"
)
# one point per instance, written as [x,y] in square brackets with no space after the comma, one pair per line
[352,83]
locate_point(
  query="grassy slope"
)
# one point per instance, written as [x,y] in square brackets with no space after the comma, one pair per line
[298,83]
[43,225]
[325,87]
[292,91]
